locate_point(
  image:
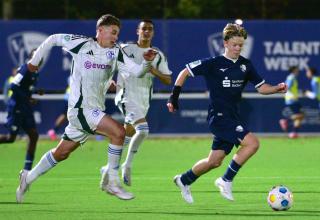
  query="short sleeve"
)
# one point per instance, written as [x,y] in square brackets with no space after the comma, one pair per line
[162,64]
[254,77]
[199,67]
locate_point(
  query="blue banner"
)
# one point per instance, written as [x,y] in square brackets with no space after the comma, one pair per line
[258,114]
[272,46]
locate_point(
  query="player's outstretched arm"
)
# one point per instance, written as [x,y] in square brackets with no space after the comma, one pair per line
[266,89]
[172,103]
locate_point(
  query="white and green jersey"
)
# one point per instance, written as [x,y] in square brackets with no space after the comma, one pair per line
[138,91]
[92,68]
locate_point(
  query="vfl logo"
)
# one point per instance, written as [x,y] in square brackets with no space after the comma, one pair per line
[243,68]
[215,45]
[239,128]
[21,44]
[226,82]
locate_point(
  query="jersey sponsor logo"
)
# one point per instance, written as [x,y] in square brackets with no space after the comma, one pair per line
[22,43]
[234,83]
[226,82]
[89,65]
[110,55]
[215,45]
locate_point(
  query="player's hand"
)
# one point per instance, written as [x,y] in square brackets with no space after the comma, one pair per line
[150,55]
[32,68]
[172,104]
[282,87]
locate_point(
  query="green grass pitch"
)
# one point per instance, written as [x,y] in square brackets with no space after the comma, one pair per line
[71,190]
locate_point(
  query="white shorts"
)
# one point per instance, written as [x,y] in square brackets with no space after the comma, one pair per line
[82,124]
[132,112]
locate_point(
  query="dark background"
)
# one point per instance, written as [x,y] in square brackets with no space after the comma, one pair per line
[164,9]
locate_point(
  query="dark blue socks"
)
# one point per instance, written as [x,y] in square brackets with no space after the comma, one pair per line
[188,177]
[231,171]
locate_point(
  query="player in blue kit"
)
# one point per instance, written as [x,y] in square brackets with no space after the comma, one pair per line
[20,111]
[226,76]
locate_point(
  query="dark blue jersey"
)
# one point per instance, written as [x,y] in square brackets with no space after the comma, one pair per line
[23,85]
[225,80]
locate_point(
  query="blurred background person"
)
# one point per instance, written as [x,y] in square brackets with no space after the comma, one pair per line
[294,120]
[7,92]
[314,93]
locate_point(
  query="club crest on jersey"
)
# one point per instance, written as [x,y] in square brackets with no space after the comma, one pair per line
[22,43]
[215,45]
[110,55]
[243,68]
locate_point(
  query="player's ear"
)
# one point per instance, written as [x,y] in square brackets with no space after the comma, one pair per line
[225,43]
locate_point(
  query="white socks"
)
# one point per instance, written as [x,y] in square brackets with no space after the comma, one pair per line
[46,163]
[142,131]
[114,156]
[127,140]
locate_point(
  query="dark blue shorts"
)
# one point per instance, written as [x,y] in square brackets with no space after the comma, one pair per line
[20,118]
[295,108]
[227,132]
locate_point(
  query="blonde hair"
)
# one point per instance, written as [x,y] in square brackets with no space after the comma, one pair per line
[234,30]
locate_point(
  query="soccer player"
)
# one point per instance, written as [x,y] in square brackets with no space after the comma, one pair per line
[62,118]
[312,74]
[20,111]
[94,63]
[134,94]
[292,102]
[226,76]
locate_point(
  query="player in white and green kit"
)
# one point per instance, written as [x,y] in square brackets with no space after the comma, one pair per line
[94,63]
[134,94]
